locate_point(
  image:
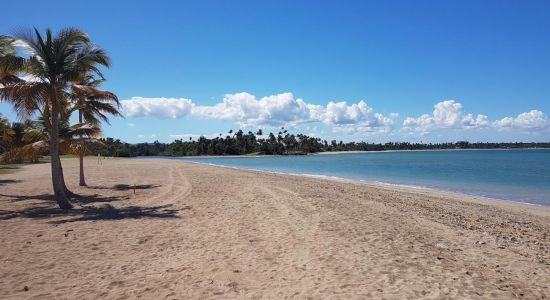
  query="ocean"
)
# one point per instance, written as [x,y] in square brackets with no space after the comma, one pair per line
[521,175]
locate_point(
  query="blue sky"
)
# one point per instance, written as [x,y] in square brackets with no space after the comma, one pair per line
[406,70]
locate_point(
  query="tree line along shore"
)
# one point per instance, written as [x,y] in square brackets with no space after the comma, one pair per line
[233,143]
[281,143]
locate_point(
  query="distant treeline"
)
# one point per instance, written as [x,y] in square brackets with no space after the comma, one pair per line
[282,143]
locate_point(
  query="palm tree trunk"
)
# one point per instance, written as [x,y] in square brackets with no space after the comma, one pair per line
[81,154]
[67,191]
[82,181]
[58,182]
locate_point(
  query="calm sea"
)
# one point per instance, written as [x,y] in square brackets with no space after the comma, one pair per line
[519,175]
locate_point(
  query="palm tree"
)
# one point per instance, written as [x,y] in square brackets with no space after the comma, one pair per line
[54,62]
[11,141]
[6,134]
[10,63]
[6,46]
[36,139]
[92,104]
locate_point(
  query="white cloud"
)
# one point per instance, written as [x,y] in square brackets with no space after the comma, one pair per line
[187,136]
[162,108]
[534,120]
[131,125]
[355,119]
[276,110]
[246,110]
[360,113]
[143,136]
[450,115]
[24,46]
[446,114]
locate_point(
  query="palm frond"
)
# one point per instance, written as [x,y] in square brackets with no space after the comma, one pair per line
[26,97]
[33,135]
[11,65]
[6,46]
[92,92]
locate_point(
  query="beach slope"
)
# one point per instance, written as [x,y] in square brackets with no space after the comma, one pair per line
[155,228]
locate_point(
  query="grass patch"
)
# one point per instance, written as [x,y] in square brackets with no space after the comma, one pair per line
[48,158]
[9,169]
[12,168]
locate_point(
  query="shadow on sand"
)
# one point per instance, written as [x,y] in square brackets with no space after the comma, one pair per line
[47,208]
[125,187]
[8,181]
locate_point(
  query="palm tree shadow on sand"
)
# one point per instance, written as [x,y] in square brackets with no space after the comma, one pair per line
[125,187]
[8,181]
[46,208]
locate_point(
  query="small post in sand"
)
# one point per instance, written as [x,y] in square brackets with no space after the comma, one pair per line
[134,188]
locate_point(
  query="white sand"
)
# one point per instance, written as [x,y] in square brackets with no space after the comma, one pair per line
[196,231]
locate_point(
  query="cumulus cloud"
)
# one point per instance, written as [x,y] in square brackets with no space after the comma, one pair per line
[276,110]
[354,118]
[193,136]
[358,113]
[446,114]
[245,109]
[163,108]
[450,115]
[143,136]
[534,119]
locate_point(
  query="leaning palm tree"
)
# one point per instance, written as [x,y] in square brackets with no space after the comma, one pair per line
[54,62]
[92,105]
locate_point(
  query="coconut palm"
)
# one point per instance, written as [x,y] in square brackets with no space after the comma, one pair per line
[6,46]
[10,63]
[92,105]
[19,148]
[54,63]
[6,134]
[11,139]
[36,138]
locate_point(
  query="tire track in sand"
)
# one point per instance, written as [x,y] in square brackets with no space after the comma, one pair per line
[291,224]
[177,188]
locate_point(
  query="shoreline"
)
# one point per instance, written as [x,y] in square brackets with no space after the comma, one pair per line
[376,184]
[330,152]
[429,150]
[195,231]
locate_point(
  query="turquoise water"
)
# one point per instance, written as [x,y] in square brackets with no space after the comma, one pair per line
[520,175]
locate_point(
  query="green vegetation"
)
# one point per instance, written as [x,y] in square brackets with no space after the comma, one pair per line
[8,169]
[284,143]
[57,76]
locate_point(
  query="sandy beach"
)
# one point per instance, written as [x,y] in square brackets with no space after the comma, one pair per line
[194,231]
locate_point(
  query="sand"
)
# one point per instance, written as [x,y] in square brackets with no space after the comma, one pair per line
[195,231]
